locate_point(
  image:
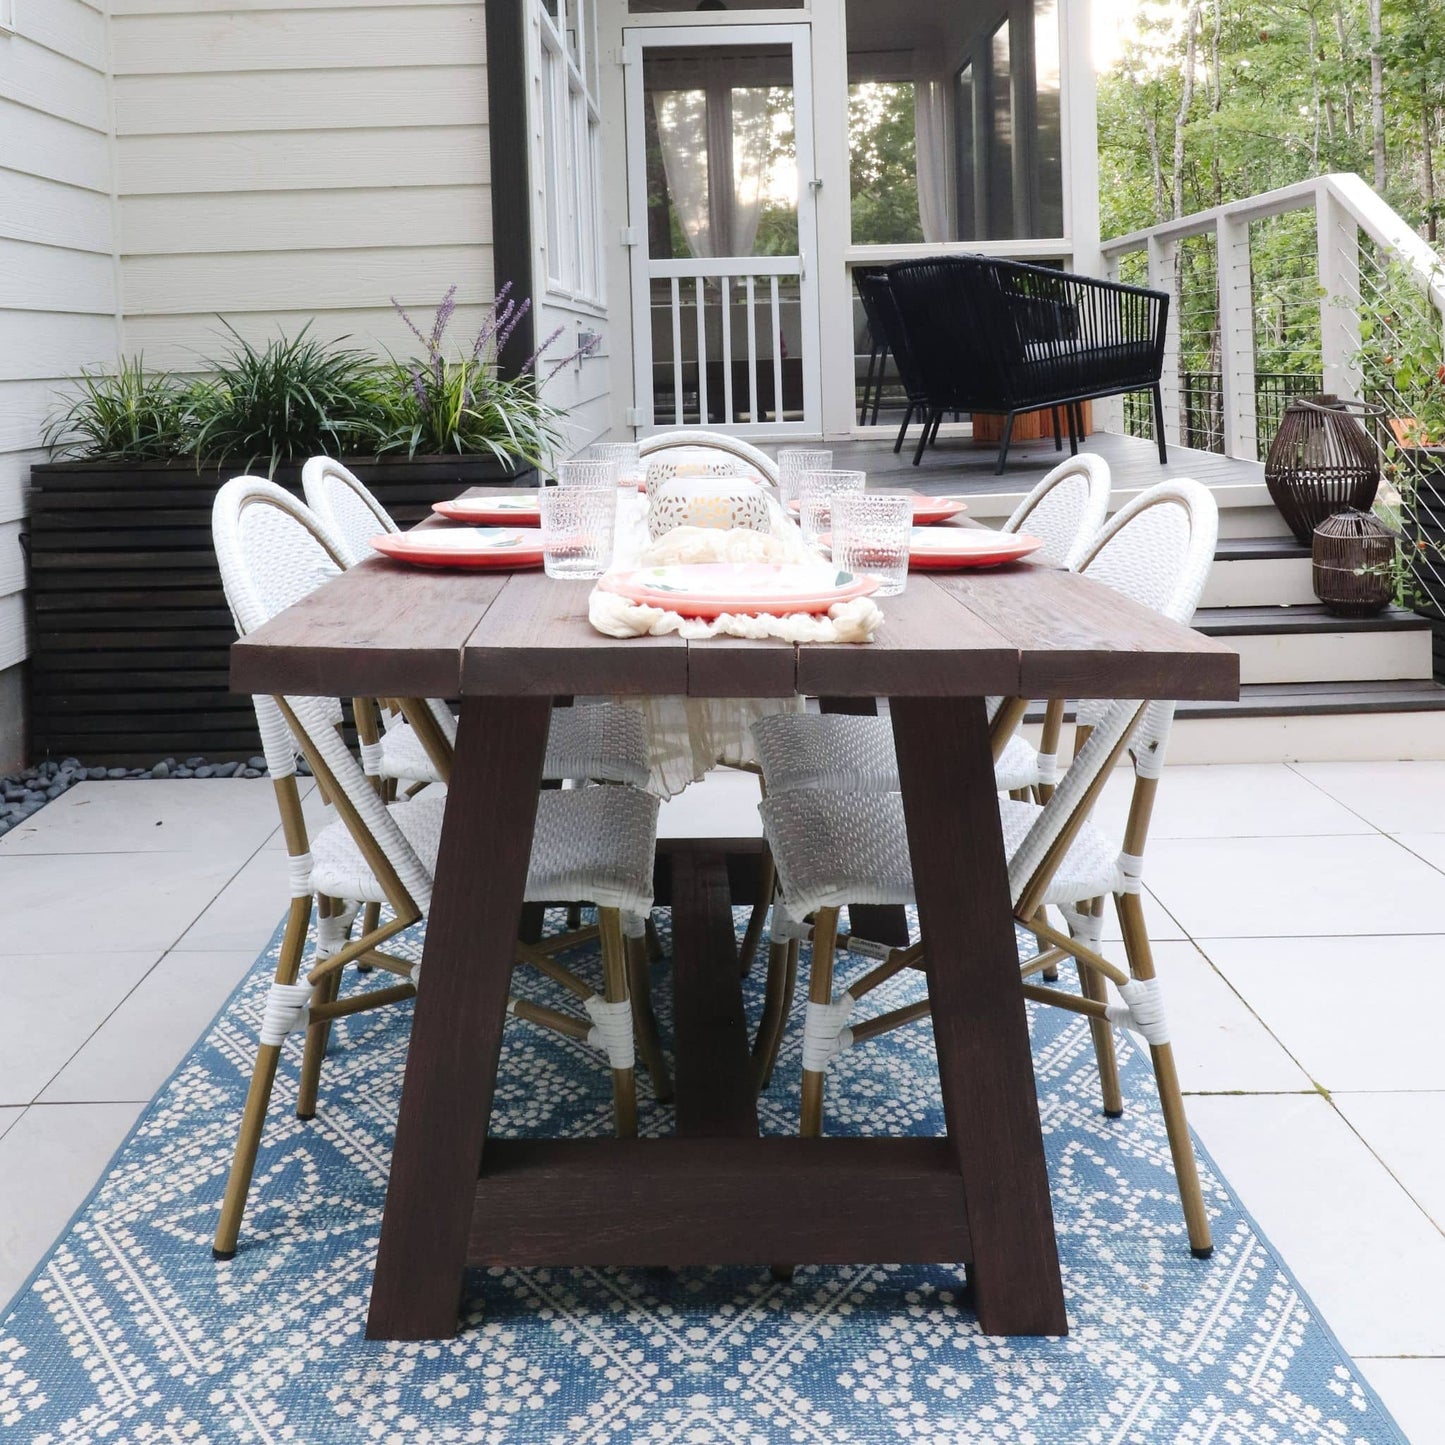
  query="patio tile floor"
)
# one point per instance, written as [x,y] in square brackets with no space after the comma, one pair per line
[1279,957]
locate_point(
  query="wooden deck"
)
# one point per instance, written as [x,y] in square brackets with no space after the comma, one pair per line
[956,465]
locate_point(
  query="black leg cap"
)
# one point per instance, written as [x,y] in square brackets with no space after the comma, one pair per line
[1204,1253]
[783,1273]
[1113,1113]
[307,1117]
[222,1254]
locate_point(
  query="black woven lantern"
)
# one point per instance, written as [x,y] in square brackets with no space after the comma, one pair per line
[1353,552]
[1322,460]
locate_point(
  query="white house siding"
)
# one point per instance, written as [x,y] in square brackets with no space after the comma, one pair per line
[57,274]
[284,160]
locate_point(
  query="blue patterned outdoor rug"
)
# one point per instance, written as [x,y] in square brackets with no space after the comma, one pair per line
[130,1332]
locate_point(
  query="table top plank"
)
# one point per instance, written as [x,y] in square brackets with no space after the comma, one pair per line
[390,630]
[381,629]
[1078,638]
[928,645]
[536,638]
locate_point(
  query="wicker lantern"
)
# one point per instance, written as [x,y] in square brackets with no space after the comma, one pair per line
[1353,552]
[1321,460]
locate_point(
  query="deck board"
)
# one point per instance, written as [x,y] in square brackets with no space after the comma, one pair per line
[956,465]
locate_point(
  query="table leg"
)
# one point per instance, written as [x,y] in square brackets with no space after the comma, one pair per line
[451,1065]
[984,1061]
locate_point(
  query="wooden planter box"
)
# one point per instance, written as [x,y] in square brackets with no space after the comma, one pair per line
[1029,426]
[130,635]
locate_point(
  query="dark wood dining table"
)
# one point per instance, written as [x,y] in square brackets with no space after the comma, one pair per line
[714,1192]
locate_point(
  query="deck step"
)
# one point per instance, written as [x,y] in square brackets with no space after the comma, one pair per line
[1311,722]
[1260,572]
[1305,644]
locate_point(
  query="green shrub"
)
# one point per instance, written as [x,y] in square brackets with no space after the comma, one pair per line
[292,397]
[122,416]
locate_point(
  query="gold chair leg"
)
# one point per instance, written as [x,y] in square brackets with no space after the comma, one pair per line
[644,1021]
[1094,987]
[1166,1075]
[258,1096]
[318,1036]
[777,1005]
[370,922]
[820,990]
[614,990]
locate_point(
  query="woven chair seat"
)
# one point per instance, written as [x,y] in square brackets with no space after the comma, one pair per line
[832,849]
[591,845]
[839,752]
[604,742]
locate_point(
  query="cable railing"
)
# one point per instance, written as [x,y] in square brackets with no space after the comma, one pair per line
[1318,286]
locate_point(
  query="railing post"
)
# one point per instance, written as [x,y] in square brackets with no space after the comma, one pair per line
[1164,276]
[1338,242]
[1109,410]
[1234,279]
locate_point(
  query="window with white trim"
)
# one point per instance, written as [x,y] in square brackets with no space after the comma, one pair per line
[571,151]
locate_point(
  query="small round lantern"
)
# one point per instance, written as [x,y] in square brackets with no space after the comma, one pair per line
[1321,460]
[1353,554]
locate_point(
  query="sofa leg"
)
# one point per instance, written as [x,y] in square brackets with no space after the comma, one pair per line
[903,430]
[1008,431]
[1058,438]
[1159,424]
[1076,427]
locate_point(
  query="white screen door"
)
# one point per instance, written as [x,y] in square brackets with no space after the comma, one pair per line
[721,206]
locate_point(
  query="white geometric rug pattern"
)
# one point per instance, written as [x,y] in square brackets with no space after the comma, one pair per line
[130,1332]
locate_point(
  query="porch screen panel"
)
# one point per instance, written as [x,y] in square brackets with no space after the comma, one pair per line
[725,296]
[954,121]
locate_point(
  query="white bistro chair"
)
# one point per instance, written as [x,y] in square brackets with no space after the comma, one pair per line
[834,848]
[599,741]
[695,444]
[594,844]
[855,754]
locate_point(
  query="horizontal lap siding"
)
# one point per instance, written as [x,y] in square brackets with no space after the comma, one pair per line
[57,270]
[283,162]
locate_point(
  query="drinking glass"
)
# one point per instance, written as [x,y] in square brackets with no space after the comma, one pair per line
[627,455]
[577,529]
[871,532]
[816,491]
[792,463]
[587,472]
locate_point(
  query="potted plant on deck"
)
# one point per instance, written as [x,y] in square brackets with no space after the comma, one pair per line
[130,633]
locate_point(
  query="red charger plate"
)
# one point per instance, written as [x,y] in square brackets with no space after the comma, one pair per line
[510,509]
[926,510]
[468,547]
[957,547]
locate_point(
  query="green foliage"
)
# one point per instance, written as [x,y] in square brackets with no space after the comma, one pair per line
[296,397]
[122,416]
[882,164]
[1281,92]
[293,397]
[444,401]
[464,407]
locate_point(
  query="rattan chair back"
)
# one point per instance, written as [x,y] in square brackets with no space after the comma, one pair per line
[272,551]
[348,511]
[1066,509]
[1156,551]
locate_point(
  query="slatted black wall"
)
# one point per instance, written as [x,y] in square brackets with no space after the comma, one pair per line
[129,630]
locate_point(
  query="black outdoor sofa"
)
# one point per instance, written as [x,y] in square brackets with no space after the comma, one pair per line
[976,334]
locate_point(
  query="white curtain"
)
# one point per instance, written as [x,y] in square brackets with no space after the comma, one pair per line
[714,154]
[933,148]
